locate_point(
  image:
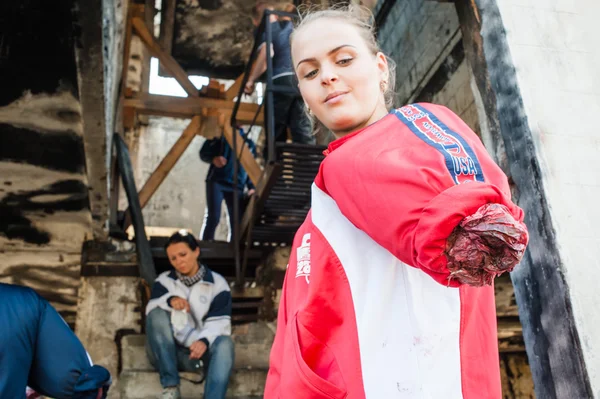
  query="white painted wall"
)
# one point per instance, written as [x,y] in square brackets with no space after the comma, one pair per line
[555,46]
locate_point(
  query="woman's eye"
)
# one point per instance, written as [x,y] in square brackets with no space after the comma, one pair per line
[344,61]
[311,74]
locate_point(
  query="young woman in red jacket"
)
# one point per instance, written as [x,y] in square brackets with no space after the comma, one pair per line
[388,292]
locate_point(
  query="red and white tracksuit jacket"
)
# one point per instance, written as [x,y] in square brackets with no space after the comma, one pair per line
[366,309]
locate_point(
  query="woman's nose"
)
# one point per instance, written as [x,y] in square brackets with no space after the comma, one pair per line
[328,75]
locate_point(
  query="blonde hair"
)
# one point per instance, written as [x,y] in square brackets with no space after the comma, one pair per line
[362,19]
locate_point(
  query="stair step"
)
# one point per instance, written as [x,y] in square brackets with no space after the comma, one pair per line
[146,385]
[252,348]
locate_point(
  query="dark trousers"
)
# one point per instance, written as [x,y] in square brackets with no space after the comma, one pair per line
[289,112]
[168,357]
[215,194]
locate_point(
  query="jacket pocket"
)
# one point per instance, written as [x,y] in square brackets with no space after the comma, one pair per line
[315,374]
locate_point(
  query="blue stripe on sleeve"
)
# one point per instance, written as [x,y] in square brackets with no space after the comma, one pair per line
[220,306]
[158,290]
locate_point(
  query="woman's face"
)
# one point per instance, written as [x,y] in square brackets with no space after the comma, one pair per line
[183,259]
[338,76]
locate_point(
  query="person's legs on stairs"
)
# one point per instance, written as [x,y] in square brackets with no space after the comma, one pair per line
[214,198]
[300,124]
[281,107]
[220,364]
[161,347]
[228,196]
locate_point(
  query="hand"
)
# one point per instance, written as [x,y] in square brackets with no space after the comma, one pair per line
[179,303]
[197,349]
[219,161]
[249,89]
[251,192]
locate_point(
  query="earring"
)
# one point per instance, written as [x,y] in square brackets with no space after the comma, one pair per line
[383,85]
[309,111]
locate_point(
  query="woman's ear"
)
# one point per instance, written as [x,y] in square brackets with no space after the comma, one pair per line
[382,66]
[197,252]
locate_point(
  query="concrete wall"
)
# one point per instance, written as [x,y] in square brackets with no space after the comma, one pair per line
[44,204]
[555,48]
[418,35]
[180,200]
[458,96]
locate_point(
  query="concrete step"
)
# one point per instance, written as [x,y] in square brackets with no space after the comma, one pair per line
[252,348]
[146,385]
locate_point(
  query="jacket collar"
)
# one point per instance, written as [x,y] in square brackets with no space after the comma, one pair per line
[208,276]
[338,143]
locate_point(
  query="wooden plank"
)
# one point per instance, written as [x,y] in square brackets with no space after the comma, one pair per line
[510,335]
[506,304]
[234,89]
[213,89]
[128,117]
[517,382]
[508,328]
[167,26]
[165,59]
[247,159]
[169,161]
[165,166]
[249,292]
[126,50]
[213,120]
[185,106]
[243,117]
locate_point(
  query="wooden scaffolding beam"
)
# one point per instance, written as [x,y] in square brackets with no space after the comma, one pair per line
[165,166]
[167,61]
[194,107]
[187,107]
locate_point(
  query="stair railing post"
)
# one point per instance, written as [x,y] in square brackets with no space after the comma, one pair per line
[269,109]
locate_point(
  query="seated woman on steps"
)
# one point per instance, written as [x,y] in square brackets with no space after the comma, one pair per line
[188,321]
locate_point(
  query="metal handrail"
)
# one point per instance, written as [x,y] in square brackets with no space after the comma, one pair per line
[265,27]
[125,170]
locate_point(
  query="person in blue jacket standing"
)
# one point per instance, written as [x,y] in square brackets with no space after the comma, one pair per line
[39,350]
[219,182]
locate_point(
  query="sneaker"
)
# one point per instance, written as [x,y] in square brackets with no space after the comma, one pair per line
[171,393]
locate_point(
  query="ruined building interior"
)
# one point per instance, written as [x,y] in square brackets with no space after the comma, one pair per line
[86,142]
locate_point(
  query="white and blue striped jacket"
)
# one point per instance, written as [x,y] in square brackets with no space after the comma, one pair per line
[210,304]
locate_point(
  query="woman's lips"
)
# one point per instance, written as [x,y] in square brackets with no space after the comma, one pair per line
[335,97]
